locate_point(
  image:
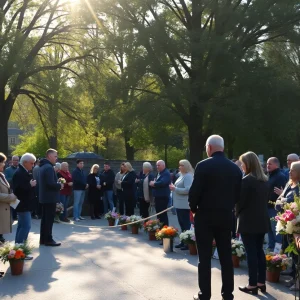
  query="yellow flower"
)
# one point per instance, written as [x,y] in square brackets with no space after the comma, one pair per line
[268,257]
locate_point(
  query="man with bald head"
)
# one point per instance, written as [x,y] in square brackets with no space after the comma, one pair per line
[161,190]
[212,197]
[277,180]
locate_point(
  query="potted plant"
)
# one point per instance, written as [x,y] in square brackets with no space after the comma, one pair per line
[123,220]
[59,211]
[136,220]
[167,234]
[151,226]
[275,264]
[15,255]
[188,237]
[111,217]
[238,252]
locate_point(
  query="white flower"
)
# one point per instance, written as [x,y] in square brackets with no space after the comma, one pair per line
[289,227]
[279,227]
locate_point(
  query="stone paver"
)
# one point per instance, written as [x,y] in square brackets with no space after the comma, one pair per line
[95,263]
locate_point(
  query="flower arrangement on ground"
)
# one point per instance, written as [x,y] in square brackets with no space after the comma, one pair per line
[152,225]
[277,262]
[238,249]
[166,232]
[112,216]
[136,219]
[59,211]
[188,237]
[10,251]
[123,220]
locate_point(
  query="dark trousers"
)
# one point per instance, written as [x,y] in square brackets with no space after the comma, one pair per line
[121,202]
[205,233]
[255,257]
[48,215]
[161,203]
[129,202]
[95,209]
[233,225]
[144,208]
[183,216]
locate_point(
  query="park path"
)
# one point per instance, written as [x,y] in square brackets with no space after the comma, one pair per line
[97,264]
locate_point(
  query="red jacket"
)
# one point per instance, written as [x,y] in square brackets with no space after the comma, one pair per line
[67,190]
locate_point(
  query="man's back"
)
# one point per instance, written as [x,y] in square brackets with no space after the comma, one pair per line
[216,186]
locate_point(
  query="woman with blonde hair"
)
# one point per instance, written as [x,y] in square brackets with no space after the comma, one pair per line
[118,188]
[253,220]
[128,188]
[180,190]
[94,192]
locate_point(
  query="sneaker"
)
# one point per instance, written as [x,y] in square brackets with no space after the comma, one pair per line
[76,220]
[28,257]
[81,218]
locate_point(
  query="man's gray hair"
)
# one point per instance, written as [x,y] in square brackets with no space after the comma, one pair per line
[147,165]
[215,140]
[58,166]
[293,156]
[27,157]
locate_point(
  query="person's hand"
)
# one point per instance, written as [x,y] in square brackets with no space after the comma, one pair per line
[137,180]
[152,183]
[70,184]
[119,182]
[87,186]
[172,187]
[62,186]
[33,183]
[98,186]
[104,183]
[278,191]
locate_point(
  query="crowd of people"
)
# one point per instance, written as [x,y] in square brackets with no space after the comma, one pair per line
[224,196]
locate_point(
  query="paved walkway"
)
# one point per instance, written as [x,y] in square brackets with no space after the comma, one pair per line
[95,264]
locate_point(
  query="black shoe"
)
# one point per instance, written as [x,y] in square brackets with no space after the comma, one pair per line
[252,291]
[93,218]
[97,217]
[179,246]
[185,247]
[52,244]
[262,288]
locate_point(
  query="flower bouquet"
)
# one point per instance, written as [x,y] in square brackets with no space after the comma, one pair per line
[61,180]
[238,252]
[111,217]
[275,264]
[288,222]
[188,237]
[138,224]
[151,226]
[123,220]
[15,255]
[59,211]
[167,234]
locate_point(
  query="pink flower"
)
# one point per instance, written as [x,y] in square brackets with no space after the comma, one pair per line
[277,218]
[288,216]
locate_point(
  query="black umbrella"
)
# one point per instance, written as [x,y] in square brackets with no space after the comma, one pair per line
[84,155]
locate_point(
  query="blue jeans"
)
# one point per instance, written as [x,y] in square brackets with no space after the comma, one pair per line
[78,202]
[64,199]
[108,201]
[24,225]
[183,216]
[273,238]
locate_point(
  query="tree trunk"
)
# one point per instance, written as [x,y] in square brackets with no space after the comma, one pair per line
[196,143]
[129,149]
[3,130]
[166,155]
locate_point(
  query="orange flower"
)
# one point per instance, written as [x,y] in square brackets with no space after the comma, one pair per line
[19,254]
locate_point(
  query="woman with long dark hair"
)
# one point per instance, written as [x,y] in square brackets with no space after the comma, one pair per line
[94,192]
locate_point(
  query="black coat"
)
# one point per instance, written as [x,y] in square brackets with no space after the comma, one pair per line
[215,190]
[128,184]
[23,190]
[252,209]
[109,178]
[48,186]
[94,194]
[276,179]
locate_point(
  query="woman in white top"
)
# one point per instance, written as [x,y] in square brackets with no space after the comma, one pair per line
[180,190]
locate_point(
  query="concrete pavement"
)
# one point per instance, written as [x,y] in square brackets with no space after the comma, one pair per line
[98,264]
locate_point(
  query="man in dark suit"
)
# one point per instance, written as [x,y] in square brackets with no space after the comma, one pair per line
[24,187]
[48,196]
[161,190]
[213,194]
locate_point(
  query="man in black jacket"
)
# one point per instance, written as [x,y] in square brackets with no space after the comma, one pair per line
[277,180]
[24,187]
[213,194]
[48,196]
[107,178]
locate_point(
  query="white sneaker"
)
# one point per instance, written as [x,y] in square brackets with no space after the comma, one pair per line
[81,218]
[76,220]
